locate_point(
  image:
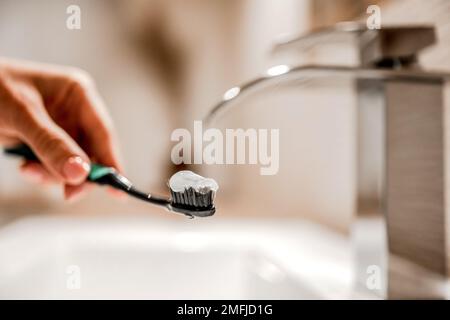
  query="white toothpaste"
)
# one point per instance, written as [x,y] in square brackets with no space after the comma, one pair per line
[185,179]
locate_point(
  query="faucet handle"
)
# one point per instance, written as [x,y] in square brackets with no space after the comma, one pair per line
[394,44]
[377,47]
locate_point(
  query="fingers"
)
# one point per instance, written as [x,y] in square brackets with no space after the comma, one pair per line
[57,151]
[96,124]
[36,173]
[8,141]
[78,109]
[97,127]
[30,122]
[99,140]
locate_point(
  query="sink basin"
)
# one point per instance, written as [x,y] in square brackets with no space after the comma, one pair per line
[125,257]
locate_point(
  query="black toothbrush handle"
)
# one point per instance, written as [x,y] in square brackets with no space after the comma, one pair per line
[103,175]
[99,174]
[23,151]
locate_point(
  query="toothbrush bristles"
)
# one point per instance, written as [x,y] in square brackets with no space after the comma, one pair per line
[193,199]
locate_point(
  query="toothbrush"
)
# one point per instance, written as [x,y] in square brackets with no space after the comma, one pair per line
[191,194]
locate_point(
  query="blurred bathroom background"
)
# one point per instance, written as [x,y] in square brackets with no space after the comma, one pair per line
[161,64]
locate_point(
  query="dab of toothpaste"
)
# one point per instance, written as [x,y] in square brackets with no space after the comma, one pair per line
[183,180]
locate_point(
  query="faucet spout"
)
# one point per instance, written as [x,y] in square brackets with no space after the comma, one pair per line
[309,72]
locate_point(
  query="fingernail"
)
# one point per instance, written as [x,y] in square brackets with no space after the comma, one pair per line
[75,170]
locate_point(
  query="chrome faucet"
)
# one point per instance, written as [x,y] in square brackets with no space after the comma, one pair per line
[400,231]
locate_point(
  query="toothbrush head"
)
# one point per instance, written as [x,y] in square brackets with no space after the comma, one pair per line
[192,194]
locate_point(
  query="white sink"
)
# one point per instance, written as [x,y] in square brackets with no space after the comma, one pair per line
[143,258]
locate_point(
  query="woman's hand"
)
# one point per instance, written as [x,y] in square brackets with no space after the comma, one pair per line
[59,114]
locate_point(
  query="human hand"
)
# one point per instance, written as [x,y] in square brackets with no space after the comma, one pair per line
[59,114]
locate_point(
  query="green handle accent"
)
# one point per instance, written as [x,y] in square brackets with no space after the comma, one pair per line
[98,171]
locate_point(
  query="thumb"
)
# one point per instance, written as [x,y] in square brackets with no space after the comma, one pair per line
[57,151]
